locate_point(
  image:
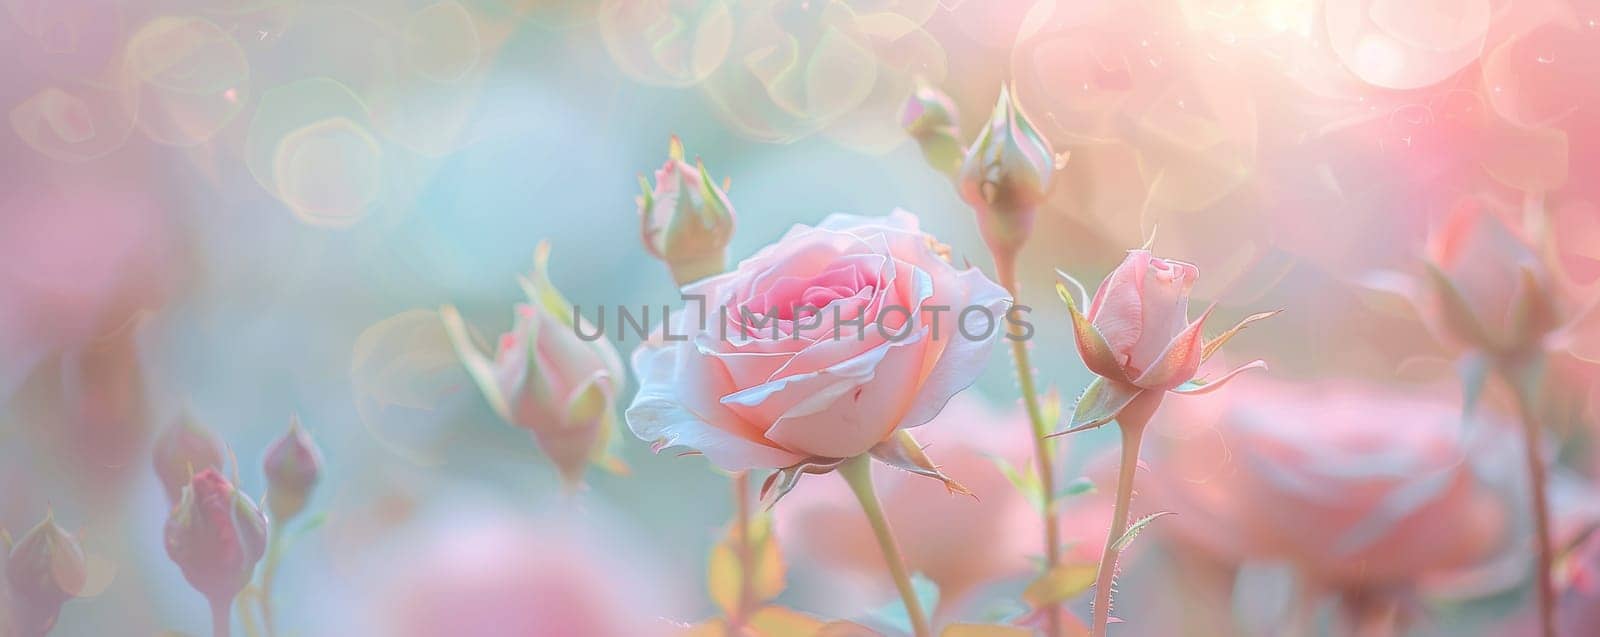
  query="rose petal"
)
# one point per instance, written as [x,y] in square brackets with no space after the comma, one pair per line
[962,359]
[1181,359]
[848,417]
[660,413]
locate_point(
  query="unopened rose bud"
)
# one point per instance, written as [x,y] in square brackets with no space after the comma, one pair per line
[685,218]
[1005,176]
[292,465]
[549,376]
[46,568]
[216,535]
[1488,291]
[929,117]
[184,449]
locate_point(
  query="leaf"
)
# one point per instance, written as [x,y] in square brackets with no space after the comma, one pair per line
[1215,344]
[902,452]
[1455,312]
[1092,346]
[777,621]
[1060,584]
[724,568]
[1202,386]
[1077,487]
[479,367]
[1134,530]
[984,630]
[541,292]
[1099,404]
[1050,406]
[782,481]
[99,573]
[1025,480]
[1533,312]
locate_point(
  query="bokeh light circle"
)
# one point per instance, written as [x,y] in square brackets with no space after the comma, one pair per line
[310,144]
[664,42]
[192,76]
[1407,44]
[77,121]
[329,172]
[403,370]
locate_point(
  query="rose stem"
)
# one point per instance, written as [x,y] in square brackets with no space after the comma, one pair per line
[1132,435]
[1541,506]
[220,621]
[1005,269]
[741,500]
[242,609]
[269,573]
[857,472]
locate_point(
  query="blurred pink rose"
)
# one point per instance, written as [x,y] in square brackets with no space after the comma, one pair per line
[545,377]
[960,543]
[819,346]
[509,580]
[1357,487]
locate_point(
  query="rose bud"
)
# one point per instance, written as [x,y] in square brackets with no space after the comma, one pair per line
[1138,340]
[685,219]
[184,449]
[1488,291]
[929,117]
[292,466]
[1005,176]
[548,379]
[216,535]
[45,569]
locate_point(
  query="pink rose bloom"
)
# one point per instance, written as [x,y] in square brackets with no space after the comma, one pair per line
[546,378]
[819,346]
[506,579]
[960,543]
[1357,487]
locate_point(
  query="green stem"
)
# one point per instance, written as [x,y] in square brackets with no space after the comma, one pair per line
[269,573]
[857,472]
[1005,269]
[1533,443]
[741,499]
[1131,437]
[686,271]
